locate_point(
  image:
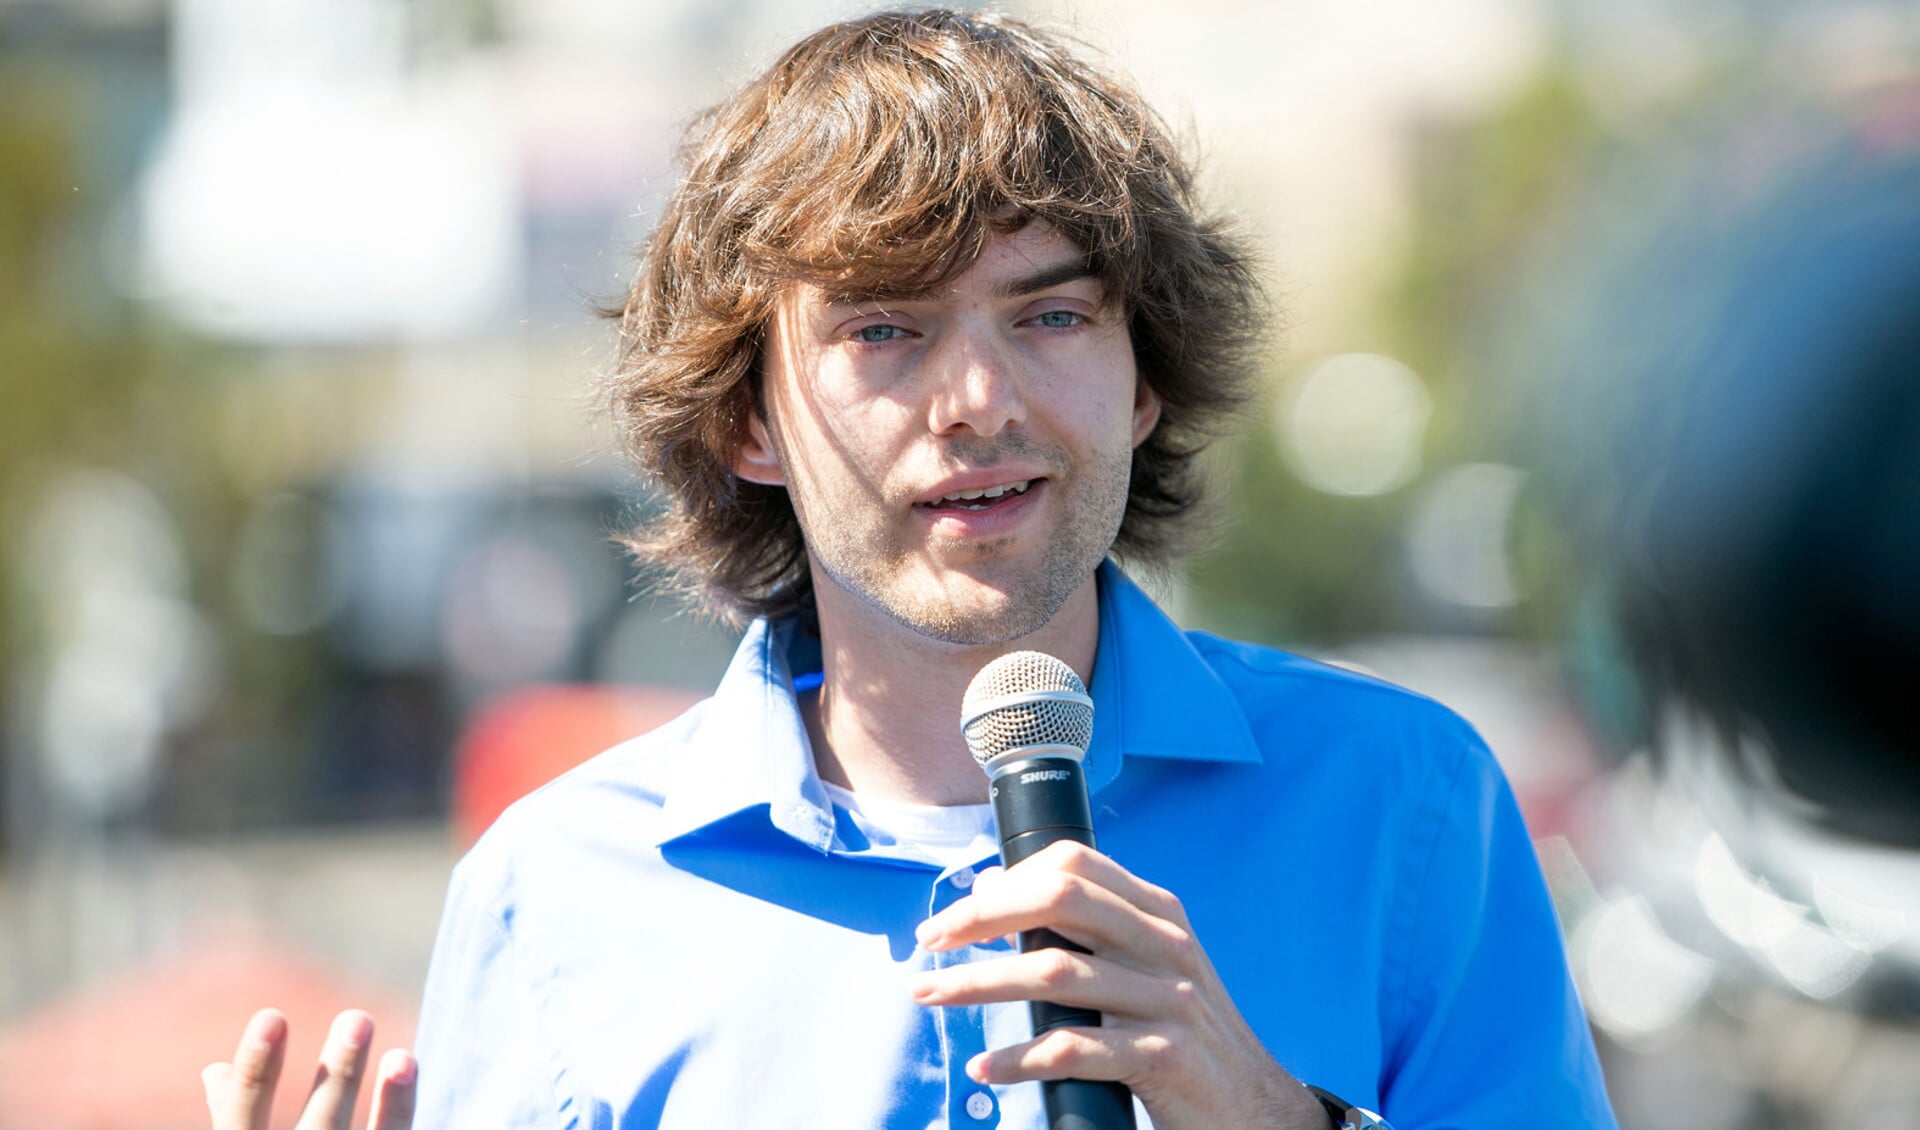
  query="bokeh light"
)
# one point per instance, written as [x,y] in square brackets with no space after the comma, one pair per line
[1458,540]
[1353,424]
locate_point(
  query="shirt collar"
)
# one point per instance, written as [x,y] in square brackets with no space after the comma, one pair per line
[749,747]
[1153,694]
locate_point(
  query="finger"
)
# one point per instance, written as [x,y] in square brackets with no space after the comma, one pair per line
[1079,859]
[1068,857]
[1024,900]
[217,1079]
[337,1082]
[1100,1054]
[394,1090]
[1075,907]
[984,881]
[1061,976]
[240,1094]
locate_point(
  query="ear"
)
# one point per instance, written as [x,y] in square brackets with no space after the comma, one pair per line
[756,459]
[1146,410]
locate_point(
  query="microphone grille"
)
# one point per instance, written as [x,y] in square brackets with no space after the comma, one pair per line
[1023,699]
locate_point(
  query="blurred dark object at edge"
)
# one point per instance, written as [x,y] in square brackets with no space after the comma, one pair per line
[1737,429]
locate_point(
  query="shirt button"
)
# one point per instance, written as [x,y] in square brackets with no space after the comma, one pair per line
[979,1105]
[963,878]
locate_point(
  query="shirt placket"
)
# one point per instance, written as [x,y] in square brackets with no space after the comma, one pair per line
[963,1029]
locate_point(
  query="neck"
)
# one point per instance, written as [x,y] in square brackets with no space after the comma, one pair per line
[886,720]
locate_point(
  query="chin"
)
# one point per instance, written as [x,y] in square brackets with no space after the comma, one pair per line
[982,617]
[960,605]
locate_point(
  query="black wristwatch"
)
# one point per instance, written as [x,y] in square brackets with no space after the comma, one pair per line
[1346,1116]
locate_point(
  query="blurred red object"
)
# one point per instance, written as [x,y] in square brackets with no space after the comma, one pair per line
[523,739]
[125,1053]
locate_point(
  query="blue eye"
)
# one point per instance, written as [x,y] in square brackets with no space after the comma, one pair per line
[878,333]
[1058,319]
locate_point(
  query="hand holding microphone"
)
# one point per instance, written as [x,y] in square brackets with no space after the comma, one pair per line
[1130,1001]
[1027,720]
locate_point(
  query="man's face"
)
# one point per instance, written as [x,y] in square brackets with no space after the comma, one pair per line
[887,418]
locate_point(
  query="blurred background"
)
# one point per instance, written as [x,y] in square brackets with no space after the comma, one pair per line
[1597,416]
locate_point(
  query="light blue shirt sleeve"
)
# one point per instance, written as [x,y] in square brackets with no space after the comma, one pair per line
[1489,1030]
[484,1057]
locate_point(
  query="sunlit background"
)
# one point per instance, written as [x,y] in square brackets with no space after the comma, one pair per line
[1596,416]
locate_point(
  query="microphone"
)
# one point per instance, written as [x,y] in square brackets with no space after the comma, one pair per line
[1027,720]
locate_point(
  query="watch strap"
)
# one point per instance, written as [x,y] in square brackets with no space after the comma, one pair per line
[1345,1115]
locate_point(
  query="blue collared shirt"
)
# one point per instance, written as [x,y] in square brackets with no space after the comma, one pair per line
[684,932]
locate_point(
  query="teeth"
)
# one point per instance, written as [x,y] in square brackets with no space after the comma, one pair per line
[990,492]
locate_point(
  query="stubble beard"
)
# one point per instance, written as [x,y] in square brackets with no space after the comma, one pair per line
[852,548]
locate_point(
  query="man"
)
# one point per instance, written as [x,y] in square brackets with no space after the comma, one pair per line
[929,329]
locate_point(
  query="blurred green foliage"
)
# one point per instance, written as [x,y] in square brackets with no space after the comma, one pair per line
[59,377]
[1297,567]
[91,379]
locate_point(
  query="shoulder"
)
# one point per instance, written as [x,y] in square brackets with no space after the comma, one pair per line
[1341,740]
[1281,689]
[610,803]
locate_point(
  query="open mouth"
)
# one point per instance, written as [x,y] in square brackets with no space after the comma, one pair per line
[984,499]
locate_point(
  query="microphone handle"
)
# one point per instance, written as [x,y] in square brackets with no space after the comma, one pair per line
[1037,802]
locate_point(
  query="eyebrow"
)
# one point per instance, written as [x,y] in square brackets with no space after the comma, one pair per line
[1045,278]
[1066,271]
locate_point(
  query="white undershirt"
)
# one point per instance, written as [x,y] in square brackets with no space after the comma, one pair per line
[947,836]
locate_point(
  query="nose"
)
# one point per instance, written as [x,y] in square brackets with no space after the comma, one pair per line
[976,385]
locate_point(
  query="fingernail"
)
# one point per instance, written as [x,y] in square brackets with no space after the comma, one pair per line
[353,1029]
[267,1028]
[977,1068]
[408,1068]
[926,933]
[923,986]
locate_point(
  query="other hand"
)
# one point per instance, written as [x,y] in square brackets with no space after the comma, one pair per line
[240,1094]
[1168,1029]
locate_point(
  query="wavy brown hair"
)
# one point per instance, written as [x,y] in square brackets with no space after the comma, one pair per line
[878,156]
